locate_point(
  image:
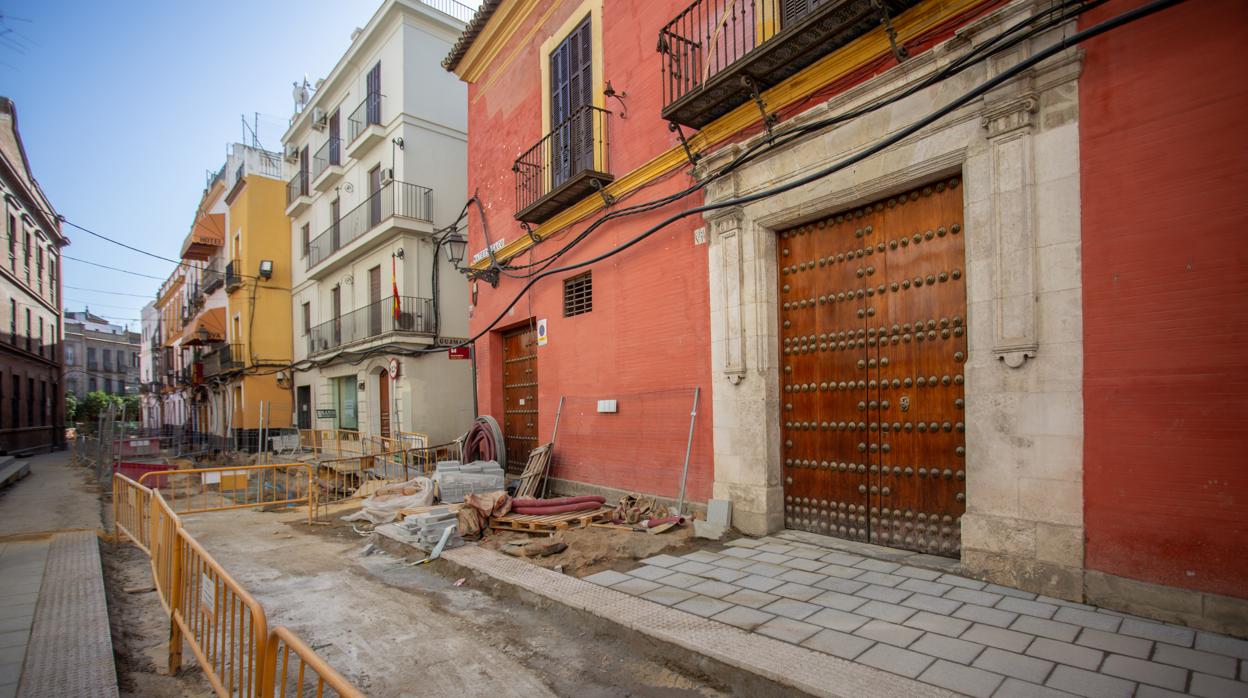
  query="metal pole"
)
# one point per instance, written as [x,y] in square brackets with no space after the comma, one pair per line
[553,434]
[693,417]
[472,353]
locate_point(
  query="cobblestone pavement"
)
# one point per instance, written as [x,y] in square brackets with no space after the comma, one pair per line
[940,628]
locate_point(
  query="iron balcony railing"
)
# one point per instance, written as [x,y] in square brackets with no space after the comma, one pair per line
[365,115]
[233,274]
[222,357]
[564,166]
[213,277]
[328,154]
[296,187]
[393,199]
[455,9]
[719,54]
[269,163]
[373,320]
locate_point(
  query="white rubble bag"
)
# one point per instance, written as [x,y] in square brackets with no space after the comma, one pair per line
[383,506]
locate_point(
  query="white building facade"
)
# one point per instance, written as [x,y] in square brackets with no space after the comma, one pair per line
[377,166]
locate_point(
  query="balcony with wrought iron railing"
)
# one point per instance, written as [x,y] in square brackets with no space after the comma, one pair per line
[720,54]
[364,125]
[374,320]
[212,277]
[327,164]
[233,274]
[396,206]
[223,357]
[565,166]
[458,10]
[298,193]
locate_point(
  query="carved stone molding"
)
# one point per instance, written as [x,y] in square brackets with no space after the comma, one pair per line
[726,233]
[1011,115]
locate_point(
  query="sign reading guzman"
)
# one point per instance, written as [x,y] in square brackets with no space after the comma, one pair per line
[326,414]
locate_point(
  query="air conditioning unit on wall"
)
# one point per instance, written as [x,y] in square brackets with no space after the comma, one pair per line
[319,119]
[387,175]
[291,153]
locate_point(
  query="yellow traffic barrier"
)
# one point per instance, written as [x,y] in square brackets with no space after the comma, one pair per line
[131,511]
[291,668]
[199,490]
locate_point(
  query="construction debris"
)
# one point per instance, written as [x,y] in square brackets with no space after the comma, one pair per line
[478,510]
[535,470]
[385,505]
[457,480]
[536,548]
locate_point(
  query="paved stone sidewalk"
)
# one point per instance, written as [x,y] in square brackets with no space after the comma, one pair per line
[940,628]
[21,575]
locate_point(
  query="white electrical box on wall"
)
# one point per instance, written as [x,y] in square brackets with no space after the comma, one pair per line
[608,407]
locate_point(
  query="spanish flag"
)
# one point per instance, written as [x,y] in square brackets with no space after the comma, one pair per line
[394,282]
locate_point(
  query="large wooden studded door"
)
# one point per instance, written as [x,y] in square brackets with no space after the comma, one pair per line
[873,341]
[519,395]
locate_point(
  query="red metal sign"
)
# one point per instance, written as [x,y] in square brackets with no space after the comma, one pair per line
[459,352]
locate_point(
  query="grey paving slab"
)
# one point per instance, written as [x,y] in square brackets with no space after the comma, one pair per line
[19,599]
[16,638]
[963,679]
[980,598]
[1115,643]
[837,620]
[1065,653]
[804,564]
[1148,630]
[703,606]
[893,634]
[1147,672]
[743,553]
[956,581]
[936,623]
[772,558]
[998,637]
[744,543]
[924,586]
[989,616]
[690,567]
[733,563]
[837,644]
[1145,691]
[896,660]
[916,573]
[877,565]
[775,548]
[751,598]
[881,578]
[787,629]
[808,553]
[1207,686]
[1019,666]
[953,649]
[635,586]
[607,578]
[845,586]
[662,560]
[885,611]
[845,559]
[1007,591]
[1196,660]
[1028,608]
[10,672]
[793,590]
[681,580]
[1088,619]
[1046,628]
[1013,688]
[714,589]
[802,577]
[764,569]
[758,582]
[879,593]
[721,574]
[742,617]
[1221,644]
[650,572]
[1089,684]
[8,625]
[8,690]
[791,608]
[839,601]
[1063,602]
[839,570]
[701,556]
[935,604]
[668,596]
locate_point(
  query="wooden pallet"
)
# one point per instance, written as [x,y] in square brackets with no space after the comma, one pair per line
[532,523]
[415,511]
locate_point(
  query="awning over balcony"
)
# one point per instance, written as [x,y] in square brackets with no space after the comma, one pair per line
[206,236]
[208,327]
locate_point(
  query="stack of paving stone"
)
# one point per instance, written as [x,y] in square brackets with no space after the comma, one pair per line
[428,527]
[457,480]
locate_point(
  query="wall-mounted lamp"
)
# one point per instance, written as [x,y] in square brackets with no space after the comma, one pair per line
[456,246]
[266,269]
[399,253]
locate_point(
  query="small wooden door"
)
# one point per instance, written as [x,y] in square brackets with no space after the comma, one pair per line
[373,85]
[519,396]
[303,401]
[335,304]
[383,402]
[303,173]
[335,228]
[374,196]
[374,301]
[873,344]
[335,144]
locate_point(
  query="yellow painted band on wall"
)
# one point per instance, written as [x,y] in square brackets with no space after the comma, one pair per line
[810,80]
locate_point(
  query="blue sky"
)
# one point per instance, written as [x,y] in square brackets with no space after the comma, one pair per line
[124,106]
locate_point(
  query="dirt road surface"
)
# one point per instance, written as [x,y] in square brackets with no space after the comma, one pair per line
[397,630]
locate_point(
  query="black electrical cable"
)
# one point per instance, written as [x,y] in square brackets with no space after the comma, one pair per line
[979,54]
[961,100]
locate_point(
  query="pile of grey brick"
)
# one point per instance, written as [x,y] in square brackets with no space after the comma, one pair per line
[457,480]
[427,527]
[943,629]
